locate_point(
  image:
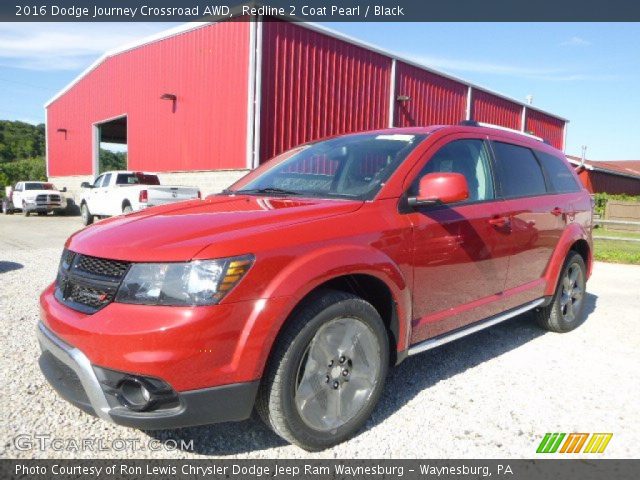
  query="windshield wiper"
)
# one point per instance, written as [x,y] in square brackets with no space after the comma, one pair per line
[268,190]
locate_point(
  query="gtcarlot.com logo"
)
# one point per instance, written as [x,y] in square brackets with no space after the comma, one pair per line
[574,442]
[44,442]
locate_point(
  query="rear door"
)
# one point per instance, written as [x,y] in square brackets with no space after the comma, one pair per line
[536,221]
[460,253]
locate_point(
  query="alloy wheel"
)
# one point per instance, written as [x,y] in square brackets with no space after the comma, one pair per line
[337,374]
[572,292]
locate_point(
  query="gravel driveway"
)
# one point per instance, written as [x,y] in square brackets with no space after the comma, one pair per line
[490,395]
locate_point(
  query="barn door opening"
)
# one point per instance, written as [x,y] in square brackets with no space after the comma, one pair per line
[110,145]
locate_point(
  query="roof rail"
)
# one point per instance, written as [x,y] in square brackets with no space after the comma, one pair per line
[473,123]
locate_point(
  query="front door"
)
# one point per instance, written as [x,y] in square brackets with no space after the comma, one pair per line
[460,250]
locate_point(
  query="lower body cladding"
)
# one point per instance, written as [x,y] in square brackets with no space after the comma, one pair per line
[135,400]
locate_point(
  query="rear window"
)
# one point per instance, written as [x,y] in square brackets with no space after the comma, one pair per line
[518,170]
[38,186]
[559,175]
[137,179]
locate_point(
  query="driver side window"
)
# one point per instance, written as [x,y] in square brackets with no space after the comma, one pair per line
[468,157]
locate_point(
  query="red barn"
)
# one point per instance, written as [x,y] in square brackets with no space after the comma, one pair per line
[616,177]
[205,102]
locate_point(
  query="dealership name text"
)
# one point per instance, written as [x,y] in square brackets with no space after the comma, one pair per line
[74,11]
[209,470]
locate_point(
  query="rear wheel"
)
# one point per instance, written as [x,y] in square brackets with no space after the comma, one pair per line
[127,208]
[87,218]
[327,371]
[565,312]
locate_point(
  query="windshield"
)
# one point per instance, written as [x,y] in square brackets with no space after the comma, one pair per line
[351,166]
[38,186]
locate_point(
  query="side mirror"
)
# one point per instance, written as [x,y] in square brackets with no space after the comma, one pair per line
[64,189]
[441,187]
[85,185]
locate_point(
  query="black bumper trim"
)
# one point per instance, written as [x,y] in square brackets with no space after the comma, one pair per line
[226,403]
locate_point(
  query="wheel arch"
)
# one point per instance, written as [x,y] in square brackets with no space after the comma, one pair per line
[574,238]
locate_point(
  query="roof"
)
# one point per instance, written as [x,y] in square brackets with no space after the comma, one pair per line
[626,168]
[309,25]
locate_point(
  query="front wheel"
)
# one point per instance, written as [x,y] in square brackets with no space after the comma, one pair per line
[5,208]
[327,371]
[565,312]
[25,210]
[87,218]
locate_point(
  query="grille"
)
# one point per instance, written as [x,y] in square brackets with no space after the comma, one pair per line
[86,283]
[91,297]
[41,198]
[101,266]
[54,198]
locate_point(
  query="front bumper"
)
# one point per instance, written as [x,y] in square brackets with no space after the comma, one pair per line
[71,373]
[33,206]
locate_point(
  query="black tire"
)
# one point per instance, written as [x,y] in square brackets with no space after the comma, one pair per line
[126,208]
[59,213]
[566,310]
[288,363]
[25,211]
[85,214]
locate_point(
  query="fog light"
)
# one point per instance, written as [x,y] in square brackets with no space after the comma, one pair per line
[135,395]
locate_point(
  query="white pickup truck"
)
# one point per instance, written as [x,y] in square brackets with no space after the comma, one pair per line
[39,197]
[117,192]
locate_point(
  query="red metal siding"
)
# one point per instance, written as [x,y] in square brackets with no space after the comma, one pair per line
[314,85]
[546,126]
[492,109]
[206,68]
[433,100]
[602,182]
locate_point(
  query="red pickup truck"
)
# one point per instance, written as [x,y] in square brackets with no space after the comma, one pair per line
[295,290]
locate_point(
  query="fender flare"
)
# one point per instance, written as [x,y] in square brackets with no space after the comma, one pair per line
[299,278]
[573,233]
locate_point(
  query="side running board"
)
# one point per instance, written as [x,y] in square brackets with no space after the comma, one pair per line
[473,328]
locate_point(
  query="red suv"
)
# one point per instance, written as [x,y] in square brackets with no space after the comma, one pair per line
[297,288]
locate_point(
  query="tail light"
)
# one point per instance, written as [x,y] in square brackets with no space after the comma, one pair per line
[144,196]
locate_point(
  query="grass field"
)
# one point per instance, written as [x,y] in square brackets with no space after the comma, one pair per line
[617,251]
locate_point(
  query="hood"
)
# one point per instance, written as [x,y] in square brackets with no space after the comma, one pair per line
[177,232]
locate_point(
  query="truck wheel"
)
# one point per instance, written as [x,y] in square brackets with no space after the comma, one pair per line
[565,312]
[87,218]
[326,372]
[127,209]
[25,211]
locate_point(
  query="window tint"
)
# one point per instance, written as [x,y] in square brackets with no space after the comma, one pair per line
[468,157]
[98,181]
[136,179]
[561,179]
[518,170]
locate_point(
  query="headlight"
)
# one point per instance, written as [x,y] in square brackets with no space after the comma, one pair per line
[201,282]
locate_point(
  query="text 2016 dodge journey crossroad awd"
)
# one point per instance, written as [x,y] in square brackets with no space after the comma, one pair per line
[296,289]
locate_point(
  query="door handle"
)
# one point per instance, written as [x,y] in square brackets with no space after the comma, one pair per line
[500,222]
[557,211]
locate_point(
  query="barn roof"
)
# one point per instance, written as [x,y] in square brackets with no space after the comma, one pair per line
[625,168]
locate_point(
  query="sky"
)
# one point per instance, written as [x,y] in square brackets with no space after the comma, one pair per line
[586,72]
